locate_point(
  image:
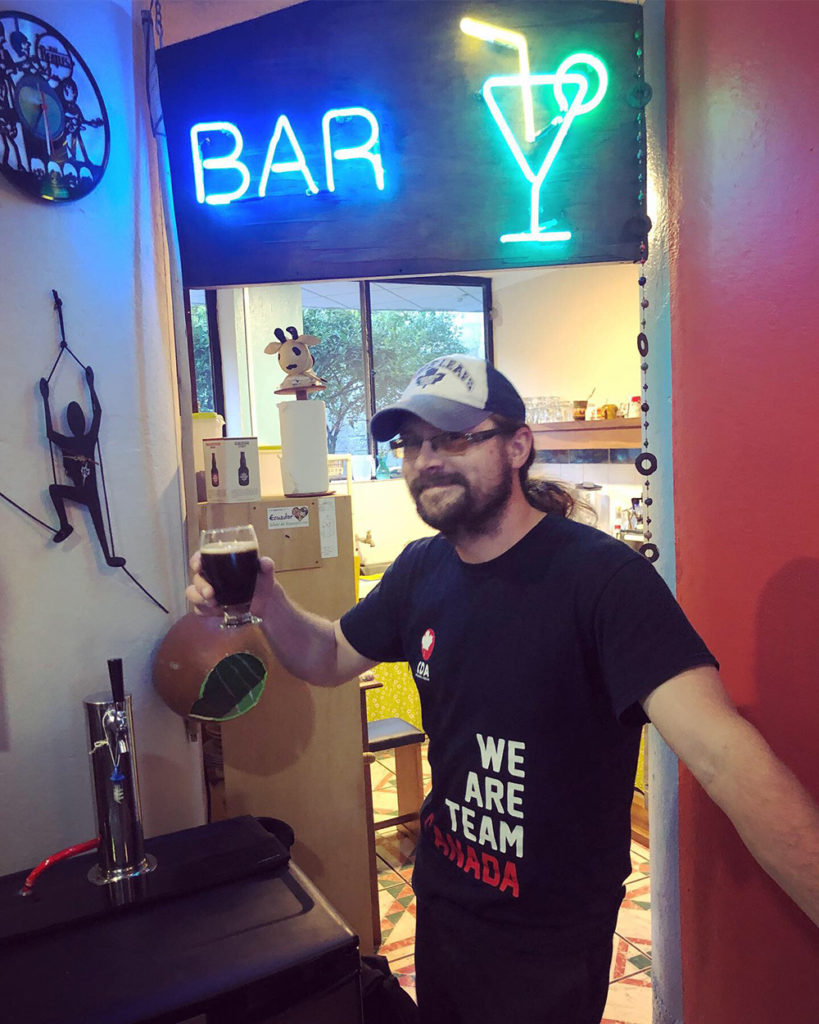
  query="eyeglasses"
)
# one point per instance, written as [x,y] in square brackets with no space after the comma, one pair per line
[450,442]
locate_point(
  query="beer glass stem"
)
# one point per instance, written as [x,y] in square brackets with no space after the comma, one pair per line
[241,617]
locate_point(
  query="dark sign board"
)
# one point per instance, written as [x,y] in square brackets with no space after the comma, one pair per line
[404,137]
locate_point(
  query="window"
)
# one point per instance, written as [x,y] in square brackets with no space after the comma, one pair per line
[375,334]
[203,350]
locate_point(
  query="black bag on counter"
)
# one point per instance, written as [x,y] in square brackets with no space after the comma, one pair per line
[383,999]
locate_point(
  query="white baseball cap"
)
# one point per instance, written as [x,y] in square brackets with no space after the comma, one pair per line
[452,393]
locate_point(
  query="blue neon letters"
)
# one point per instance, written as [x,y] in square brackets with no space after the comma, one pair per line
[234,172]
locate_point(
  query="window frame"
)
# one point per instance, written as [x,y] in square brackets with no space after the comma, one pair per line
[214,350]
[365,310]
[365,303]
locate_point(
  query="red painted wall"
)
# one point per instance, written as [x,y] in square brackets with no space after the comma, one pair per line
[743,80]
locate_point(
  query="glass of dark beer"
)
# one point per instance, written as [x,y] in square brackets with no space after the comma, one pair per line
[230,562]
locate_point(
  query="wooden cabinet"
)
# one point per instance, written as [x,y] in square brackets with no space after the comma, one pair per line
[616,433]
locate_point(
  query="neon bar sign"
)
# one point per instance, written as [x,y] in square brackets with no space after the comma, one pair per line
[211,170]
[559,125]
[357,139]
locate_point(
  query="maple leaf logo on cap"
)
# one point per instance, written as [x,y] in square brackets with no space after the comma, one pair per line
[432,376]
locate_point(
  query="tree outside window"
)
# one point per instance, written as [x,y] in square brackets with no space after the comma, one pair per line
[202,369]
[402,342]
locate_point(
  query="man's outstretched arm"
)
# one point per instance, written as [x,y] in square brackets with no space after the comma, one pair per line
[772,812]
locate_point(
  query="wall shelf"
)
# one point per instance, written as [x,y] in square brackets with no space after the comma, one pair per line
[616,433]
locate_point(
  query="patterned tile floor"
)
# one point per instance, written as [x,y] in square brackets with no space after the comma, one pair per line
[629,999]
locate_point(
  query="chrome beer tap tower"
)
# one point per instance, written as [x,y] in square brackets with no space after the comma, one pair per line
[121,850]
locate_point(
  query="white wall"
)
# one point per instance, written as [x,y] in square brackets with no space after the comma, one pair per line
[565,330]
[384,510]
[63,612]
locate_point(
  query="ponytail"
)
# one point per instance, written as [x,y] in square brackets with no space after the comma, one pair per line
[547,496]
[544,495]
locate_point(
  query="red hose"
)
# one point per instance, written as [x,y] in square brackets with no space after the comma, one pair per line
[69,851]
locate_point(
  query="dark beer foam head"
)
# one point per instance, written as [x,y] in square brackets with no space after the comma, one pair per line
[227,547]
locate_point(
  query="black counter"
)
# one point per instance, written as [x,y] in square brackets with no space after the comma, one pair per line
[263,945]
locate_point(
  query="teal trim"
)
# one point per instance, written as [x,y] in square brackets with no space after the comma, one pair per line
[666,971]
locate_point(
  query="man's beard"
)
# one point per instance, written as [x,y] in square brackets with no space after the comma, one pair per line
[468,514]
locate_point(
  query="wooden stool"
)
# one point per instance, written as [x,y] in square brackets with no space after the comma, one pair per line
[398,735]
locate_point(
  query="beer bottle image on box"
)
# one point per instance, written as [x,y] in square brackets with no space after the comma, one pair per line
[214,470]
[244,472]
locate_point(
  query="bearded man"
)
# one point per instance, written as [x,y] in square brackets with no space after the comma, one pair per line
[540,647]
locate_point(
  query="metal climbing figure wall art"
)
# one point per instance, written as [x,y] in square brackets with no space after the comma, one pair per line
[77,451]
[81,456]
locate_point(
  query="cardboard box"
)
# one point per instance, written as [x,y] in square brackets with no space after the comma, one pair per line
[295,534]
[232,469]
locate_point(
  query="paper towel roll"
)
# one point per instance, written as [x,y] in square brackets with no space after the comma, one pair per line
[304,447]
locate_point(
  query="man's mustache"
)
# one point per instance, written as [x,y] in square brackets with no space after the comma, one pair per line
[426,480]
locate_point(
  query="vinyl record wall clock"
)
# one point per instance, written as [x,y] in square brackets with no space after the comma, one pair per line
[54,131]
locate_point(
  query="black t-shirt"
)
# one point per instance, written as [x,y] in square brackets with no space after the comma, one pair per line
[530,669]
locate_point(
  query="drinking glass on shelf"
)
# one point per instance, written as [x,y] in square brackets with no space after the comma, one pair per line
[553,413]
[540,410]
[230,562]
[533,408]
